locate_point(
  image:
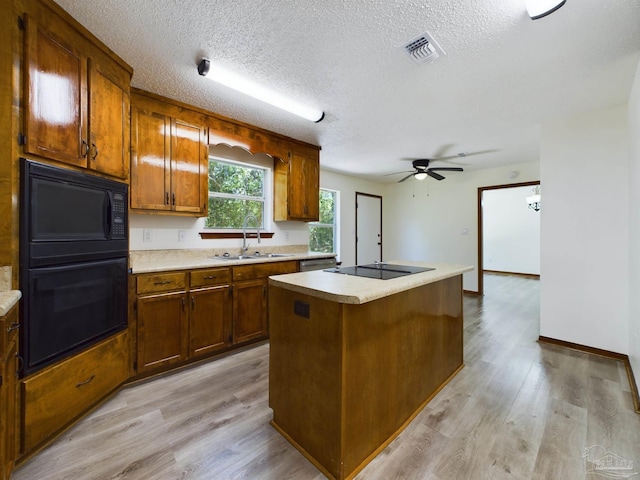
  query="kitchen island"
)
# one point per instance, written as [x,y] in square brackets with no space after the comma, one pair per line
[353,360]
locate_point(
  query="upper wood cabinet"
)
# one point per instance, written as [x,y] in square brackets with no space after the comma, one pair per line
[169,158]
[297,186]
[77,99]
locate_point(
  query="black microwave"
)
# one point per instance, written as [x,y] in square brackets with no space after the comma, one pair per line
[69,216]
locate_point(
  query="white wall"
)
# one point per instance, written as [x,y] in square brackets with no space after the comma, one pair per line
[348,186]
[425,220]
[511,231]
[634,228]
[584,167]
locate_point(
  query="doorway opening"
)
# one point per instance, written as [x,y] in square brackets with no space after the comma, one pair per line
[368,228]
[512,229]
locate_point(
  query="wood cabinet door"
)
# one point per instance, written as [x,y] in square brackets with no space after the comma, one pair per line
[9,411]
[59,394]
[188,167]
[303,187]
[150,160]
[312,188]
[249,310]
[109,121]
[56,93]
[209,320]
[162,330]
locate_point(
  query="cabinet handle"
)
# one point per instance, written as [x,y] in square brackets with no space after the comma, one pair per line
[173,198]
[210,277]
[14,326]
[166,198]
[88,380]
[85,149]
[162,283]
[95,149]
[193,303]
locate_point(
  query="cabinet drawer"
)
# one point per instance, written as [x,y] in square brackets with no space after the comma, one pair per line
[212,276]
[260,270]
[57,395]
[161,282]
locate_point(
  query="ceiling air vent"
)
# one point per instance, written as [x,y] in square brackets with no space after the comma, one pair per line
[424,49]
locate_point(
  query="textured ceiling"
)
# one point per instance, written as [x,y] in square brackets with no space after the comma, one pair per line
[503,74]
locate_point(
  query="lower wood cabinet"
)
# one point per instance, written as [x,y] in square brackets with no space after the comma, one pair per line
[186,315]
[250,310]
[209,320]
[9,426]
[162,330]
[57,395]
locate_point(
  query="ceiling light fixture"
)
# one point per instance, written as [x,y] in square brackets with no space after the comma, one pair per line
[541,8]
[534,201]
[420,175]
[259,92]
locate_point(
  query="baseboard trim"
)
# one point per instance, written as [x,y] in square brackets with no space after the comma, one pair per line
[602,353]
[470,292]
[517,274]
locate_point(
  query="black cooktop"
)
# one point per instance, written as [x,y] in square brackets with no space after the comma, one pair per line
[382,271]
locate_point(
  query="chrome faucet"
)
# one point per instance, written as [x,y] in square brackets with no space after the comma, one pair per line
[245,245]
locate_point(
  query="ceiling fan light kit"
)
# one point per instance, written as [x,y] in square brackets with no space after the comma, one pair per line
[422,170]
[541,8]
[243,85]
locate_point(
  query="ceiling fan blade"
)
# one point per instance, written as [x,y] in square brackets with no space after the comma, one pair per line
[437,176]
[396,173]
[464,154]
[408,176]
[448,169]
[442,150]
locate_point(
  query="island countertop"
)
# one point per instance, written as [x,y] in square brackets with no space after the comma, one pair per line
[351,289]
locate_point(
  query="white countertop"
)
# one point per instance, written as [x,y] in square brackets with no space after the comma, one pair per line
[342,288]
[163,261]
[8,299]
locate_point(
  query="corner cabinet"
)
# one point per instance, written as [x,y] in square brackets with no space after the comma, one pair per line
[169,158]
[297,186]
[76,96]
[56,396]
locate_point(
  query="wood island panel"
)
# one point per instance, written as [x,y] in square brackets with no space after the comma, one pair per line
[346,380]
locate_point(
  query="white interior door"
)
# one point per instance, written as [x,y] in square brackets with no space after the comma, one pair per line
[368,228]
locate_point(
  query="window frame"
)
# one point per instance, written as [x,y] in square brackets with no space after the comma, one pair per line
[267,198]
[334,225]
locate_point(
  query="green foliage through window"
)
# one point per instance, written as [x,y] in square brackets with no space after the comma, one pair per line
[322,234]
[235,190]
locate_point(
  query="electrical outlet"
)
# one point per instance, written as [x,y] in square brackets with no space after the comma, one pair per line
[181,235]
[286,234]
[146,235]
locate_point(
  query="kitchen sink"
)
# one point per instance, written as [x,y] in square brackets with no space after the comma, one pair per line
[252,257]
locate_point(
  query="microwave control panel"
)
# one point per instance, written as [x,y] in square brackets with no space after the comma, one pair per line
[118,212]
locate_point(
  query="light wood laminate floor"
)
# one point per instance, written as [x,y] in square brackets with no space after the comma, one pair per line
[518,409]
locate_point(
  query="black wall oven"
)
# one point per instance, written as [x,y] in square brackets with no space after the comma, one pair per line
[73,262]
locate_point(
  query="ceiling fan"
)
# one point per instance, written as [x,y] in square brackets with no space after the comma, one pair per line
[421,170]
